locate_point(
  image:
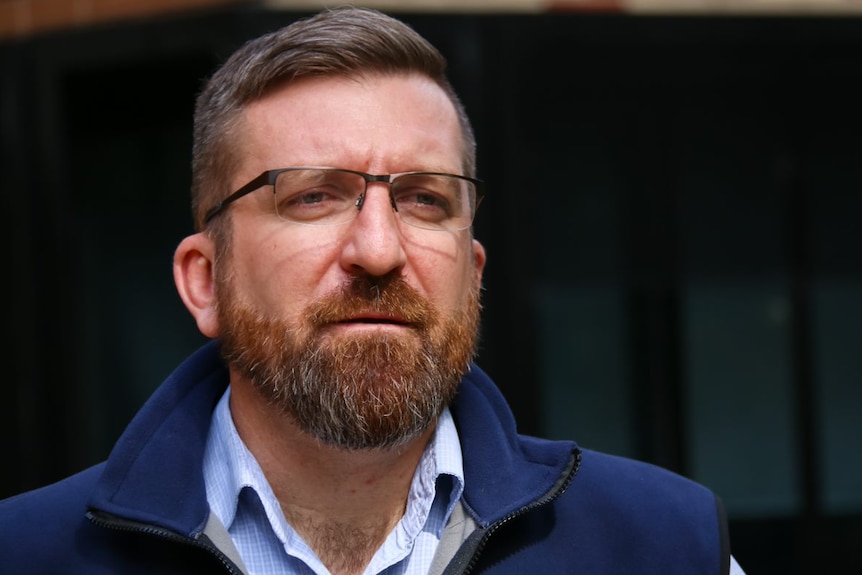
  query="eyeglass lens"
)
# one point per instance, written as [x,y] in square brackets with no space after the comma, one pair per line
[332,196]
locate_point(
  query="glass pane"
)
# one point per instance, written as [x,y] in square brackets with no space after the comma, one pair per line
[835,180]
[838,336]
[583,358]
[739,384]
[579,296]
[739,402]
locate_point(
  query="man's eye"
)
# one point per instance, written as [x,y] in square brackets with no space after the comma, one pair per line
[309,198]
[313,205]
[428,199]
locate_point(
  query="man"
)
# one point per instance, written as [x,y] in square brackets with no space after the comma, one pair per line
[336,423]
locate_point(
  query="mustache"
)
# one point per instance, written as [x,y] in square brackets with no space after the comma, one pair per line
[390,295]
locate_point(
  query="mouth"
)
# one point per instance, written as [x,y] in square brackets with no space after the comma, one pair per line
[375,319]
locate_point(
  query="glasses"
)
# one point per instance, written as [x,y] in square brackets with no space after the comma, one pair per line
[330,196]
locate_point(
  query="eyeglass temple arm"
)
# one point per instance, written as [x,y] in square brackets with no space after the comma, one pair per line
[266,178]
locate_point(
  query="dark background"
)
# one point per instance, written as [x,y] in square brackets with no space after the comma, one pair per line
[674,255]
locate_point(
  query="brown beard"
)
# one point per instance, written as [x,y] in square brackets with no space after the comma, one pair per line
[361,391]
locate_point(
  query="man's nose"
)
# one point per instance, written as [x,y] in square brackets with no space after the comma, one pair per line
[375,243]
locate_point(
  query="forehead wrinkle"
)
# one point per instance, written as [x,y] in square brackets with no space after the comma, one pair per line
[332,139]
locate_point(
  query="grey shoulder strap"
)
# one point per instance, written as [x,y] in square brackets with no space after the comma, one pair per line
[458,528]
[218,536]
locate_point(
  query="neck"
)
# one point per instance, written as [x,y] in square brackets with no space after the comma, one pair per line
[342,502]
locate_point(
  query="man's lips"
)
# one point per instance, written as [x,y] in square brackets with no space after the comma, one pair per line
[374,318]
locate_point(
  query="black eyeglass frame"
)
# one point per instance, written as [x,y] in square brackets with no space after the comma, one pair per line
[268,178]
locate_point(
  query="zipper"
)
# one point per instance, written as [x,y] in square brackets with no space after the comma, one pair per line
[109,521]
[113,522]
[555,492]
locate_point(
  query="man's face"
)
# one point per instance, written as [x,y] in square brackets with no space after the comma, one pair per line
[360,331]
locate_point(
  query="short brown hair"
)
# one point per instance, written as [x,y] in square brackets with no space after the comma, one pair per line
[345,41]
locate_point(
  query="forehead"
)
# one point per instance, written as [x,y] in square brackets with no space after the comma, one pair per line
[394,120]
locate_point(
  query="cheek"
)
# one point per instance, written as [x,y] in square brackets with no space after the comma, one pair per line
[281,272]
[446,277]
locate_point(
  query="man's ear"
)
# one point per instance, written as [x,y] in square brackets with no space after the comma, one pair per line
[193,276]
[479,258]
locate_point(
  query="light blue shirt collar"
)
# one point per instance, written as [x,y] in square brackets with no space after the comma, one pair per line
[240,496]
